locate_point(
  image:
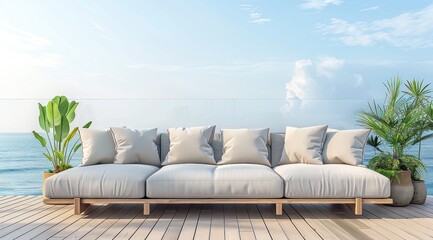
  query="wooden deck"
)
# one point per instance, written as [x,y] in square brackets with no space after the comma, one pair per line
[26,217]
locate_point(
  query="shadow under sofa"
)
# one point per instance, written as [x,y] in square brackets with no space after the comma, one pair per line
[218,184]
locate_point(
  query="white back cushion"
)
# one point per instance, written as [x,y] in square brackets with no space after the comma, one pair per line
[245,146]
[98,146]
[345,146]
[136,146]
[190,145]
[303,145]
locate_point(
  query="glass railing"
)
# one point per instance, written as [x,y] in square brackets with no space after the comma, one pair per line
[22,164]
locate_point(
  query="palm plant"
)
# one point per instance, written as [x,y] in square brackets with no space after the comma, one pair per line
[55,119]
[374,142]
[418,93]
[400,122]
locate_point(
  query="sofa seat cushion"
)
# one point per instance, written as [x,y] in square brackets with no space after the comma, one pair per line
[332,181]
[247,181]
[210,181]
[100,181]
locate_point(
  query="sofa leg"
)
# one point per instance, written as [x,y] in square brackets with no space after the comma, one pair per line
[358,206]
[278,208]
[79,207]
[146,209]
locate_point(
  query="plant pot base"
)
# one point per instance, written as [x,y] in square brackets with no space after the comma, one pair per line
[420,192]
[402,189]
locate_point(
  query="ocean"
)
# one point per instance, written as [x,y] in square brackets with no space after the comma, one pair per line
[22,164]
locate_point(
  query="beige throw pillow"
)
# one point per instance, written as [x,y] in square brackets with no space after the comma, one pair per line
[190,145]
[345,146]
[136,146]
[97,145]
[303,145]
[245,146]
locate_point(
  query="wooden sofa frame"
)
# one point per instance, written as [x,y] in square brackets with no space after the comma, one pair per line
[80,204]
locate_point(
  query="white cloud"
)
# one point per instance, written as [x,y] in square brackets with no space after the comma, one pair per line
[327,65]
[238,68]
[254,14]
[101,31]
[358,79]
[296,88]
[48,60]
[395,63]
[323,91]
[260,20]
[158,67]
[24,48]
[319,4]
[99,27]
[21,40]
[372,8]
[410,30]
[304,83]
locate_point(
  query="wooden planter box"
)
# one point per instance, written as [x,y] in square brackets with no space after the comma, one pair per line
[46,175]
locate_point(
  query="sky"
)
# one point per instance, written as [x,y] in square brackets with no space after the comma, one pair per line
[146,64]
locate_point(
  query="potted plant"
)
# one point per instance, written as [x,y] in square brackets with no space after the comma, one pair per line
[400,123]
[426,123]
[419,92]
[55,119]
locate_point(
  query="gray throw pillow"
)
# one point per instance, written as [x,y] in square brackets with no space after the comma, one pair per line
[245,146]
[303,145]
[345,146]
[190,145]
[136,146]
[97,145]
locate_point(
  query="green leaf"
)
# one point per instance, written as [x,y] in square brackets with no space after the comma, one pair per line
[63,104]
[53,114]
[87,125]
[59,154]
[402,119]
[428,136]
[77,147]
[43,122]
[71,111]
[62,130]
[70,136]
[40,138]
[48,157]
[64,167]
[387,173]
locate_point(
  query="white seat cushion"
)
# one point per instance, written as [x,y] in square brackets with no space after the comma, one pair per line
[100,181]
[181,181]
[247,181]
[332,181]
[210,181]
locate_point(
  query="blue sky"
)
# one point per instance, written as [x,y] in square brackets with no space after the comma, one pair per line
[230,63]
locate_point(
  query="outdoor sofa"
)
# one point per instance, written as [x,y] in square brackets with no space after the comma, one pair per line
[238,182]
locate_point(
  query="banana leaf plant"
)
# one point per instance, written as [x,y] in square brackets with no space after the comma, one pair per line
[55,120]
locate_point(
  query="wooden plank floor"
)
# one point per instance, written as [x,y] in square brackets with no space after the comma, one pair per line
[26,217]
